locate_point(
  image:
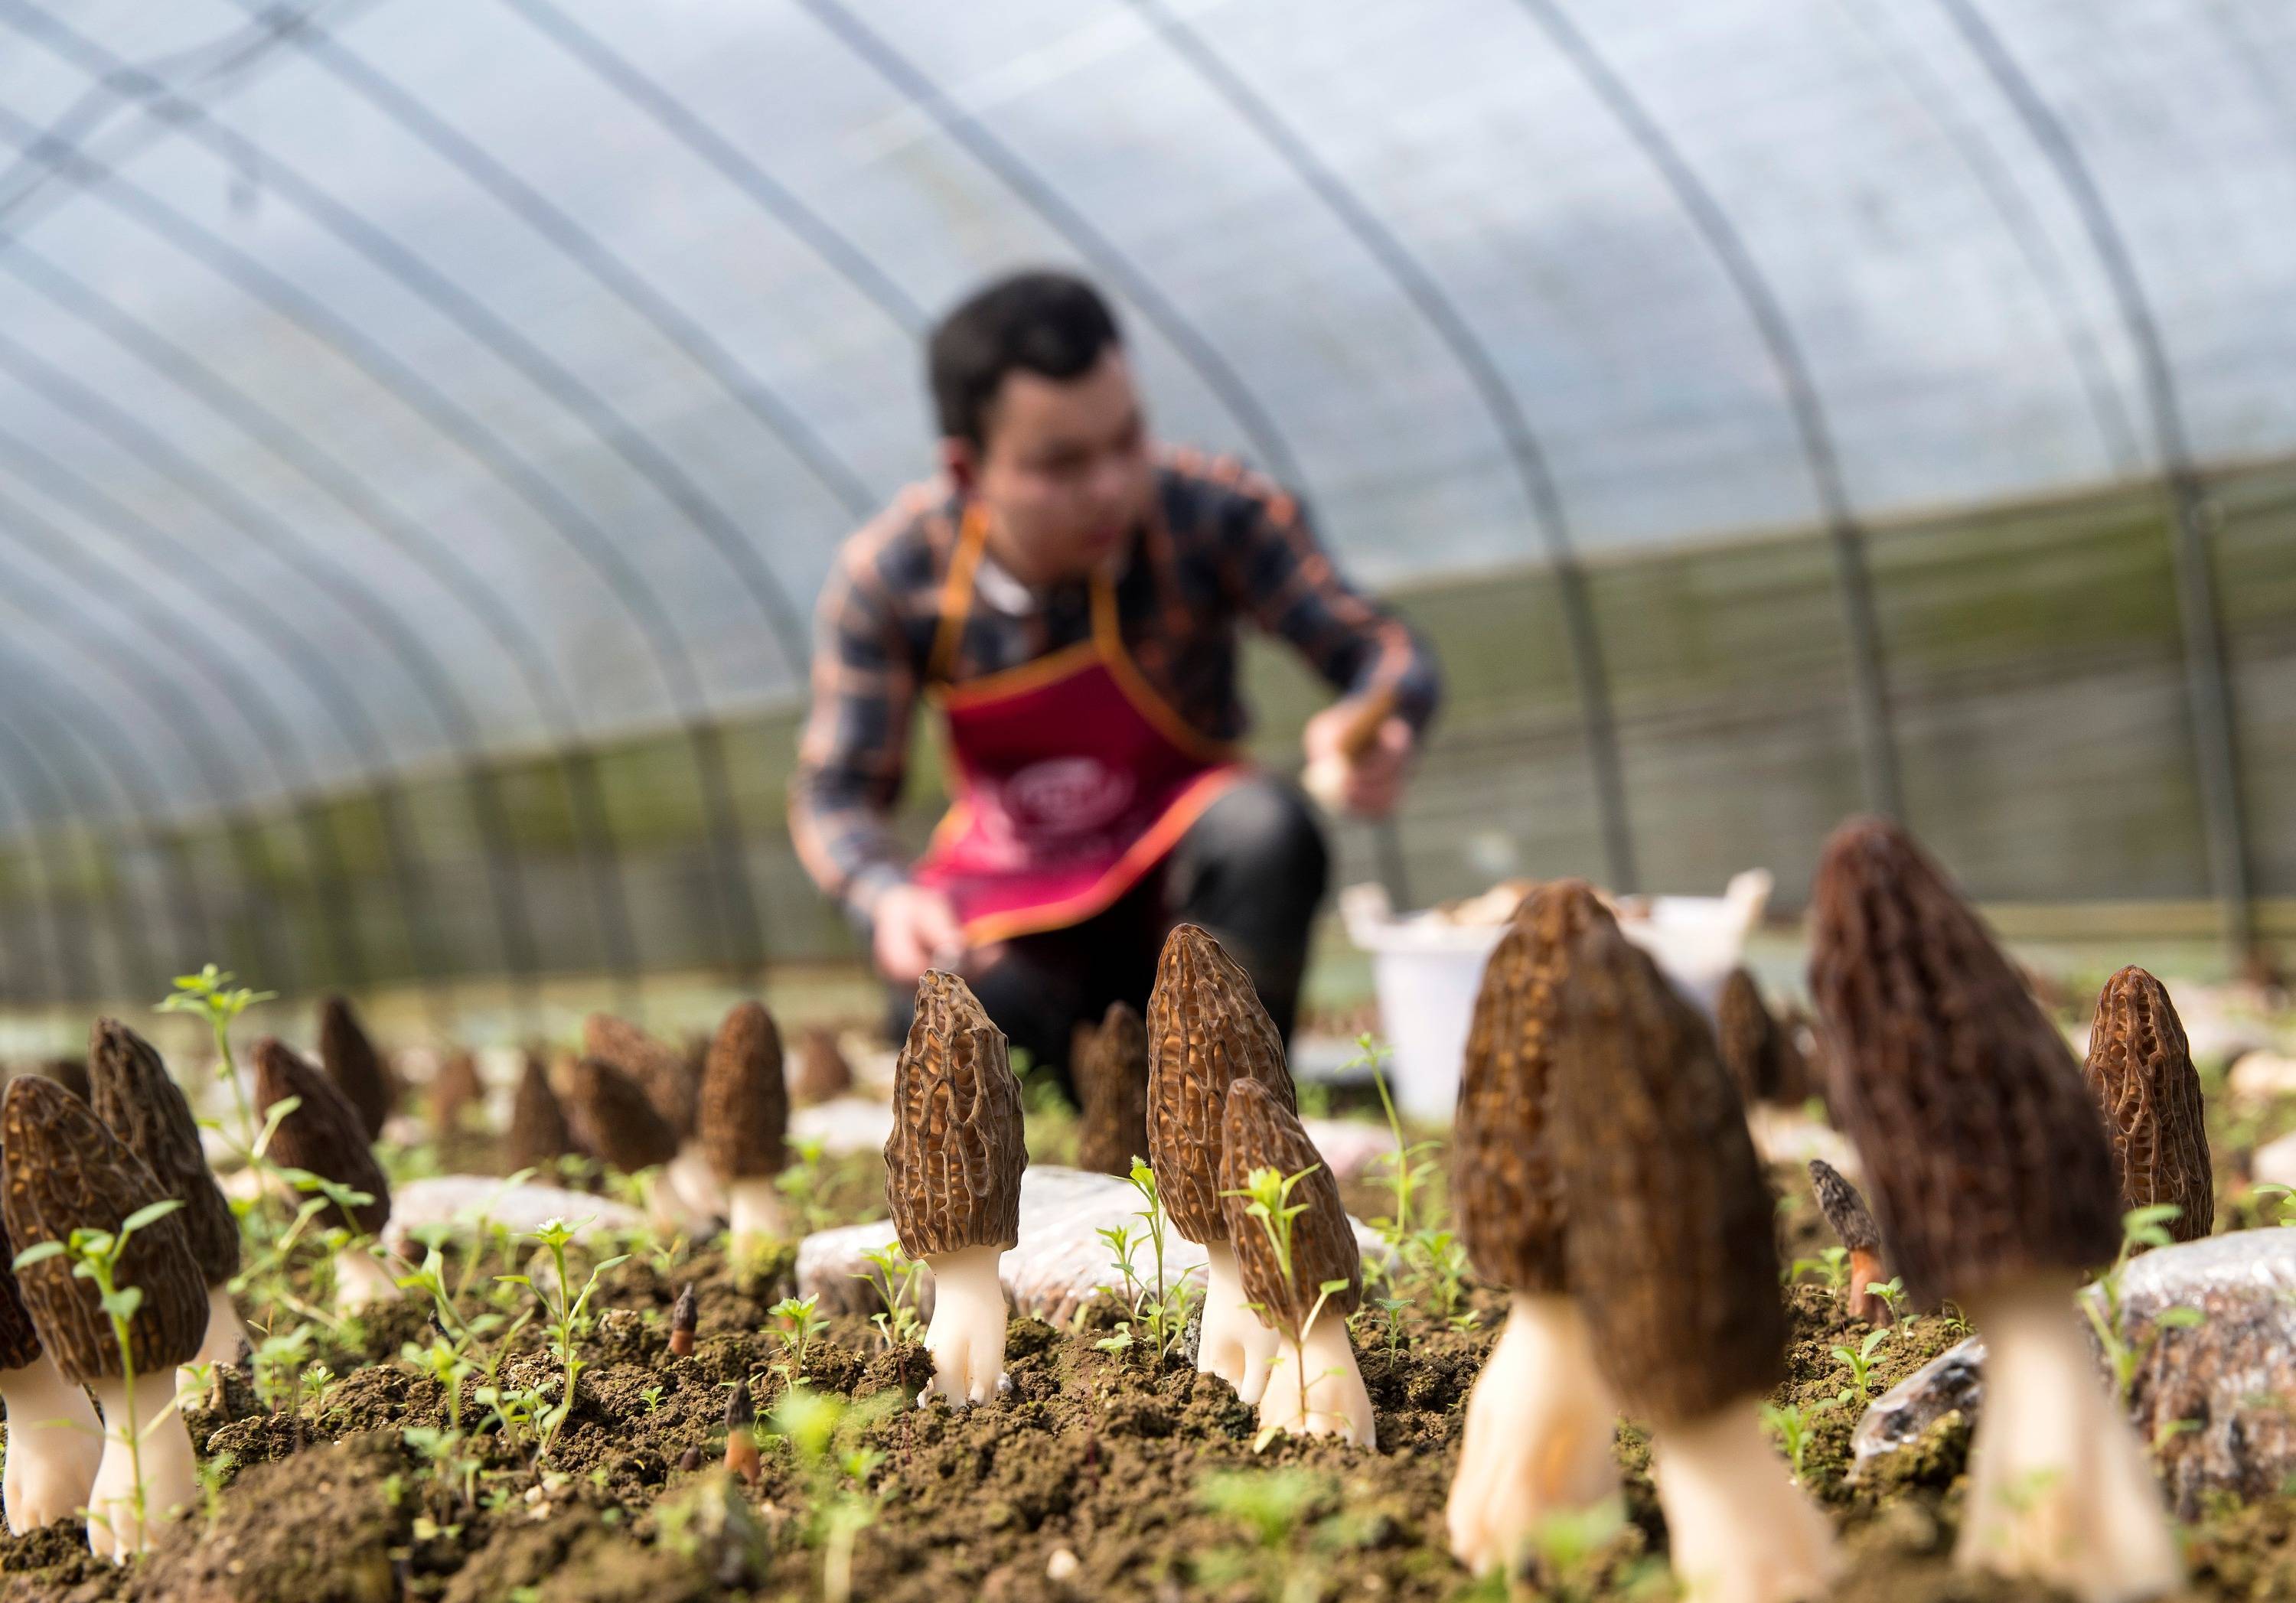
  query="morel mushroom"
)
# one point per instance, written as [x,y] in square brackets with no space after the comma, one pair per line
[953,1178]
[672,1086]
[359,1072]
[1758,1050]
[1303,1273]
[70,1072]
[1853,1224]
[538,1134]
[55,1440]
[1206,1031]
[456,1088]
[1992,1177]
[744,1123]
[325,1136]
[822,1073]
[616,1124]
[131,1091]
[1670,1253]
[1541,1417]
[1110,1068]
[2140,1070]
[66,1172]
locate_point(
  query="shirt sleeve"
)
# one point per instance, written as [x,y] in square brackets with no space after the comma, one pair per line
[1291,588]
[853,755]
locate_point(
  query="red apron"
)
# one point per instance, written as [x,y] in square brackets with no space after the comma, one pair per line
[1071,778]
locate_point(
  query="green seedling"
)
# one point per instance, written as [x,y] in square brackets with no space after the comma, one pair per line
[801,1321]
[840,1505]
[1861,1363]
[2139,1227]
[564,1318]
[895,1277]
[1792,1424]
[211,994]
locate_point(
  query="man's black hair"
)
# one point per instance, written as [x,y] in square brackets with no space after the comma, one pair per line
[1051,324]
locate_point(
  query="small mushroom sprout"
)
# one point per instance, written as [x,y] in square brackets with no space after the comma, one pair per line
[132,1092]
[684,1314]
[54,1439]
[1301,1269]
[1852,1222]
[1992,1176]
[362,1074]
[1670,1253]
[1206,1031]
[1537,1439]
[107,1273]
[2140,1070]
[325,1137]
[953,1178]
[1109,1066]
[744,1123]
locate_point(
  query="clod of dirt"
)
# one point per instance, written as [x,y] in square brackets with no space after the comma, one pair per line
[2209,1396]
[316,1528]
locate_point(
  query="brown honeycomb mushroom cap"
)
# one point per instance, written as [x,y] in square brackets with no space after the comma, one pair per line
[615,1120]
[362,1074]
[1670,1249]
[744,1120]
[1986,1156]
[70,1072]
[2140,1071]
[821,1073]
[1764,1063]
[1260,1132]
[952,1163]
[66,1171]
[667,1074]
[20,1341]
[1206,1031]
[538,1134]
[132,1092]
[1503,1182]
[325,1135]
[1844,1208]
[1109,1066]
[455,1087]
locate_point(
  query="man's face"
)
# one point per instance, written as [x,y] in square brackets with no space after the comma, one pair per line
[1064,473]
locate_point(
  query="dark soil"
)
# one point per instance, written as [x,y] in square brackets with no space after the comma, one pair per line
[1100,1475]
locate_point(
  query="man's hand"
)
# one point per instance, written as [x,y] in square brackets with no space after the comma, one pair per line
[913,928]
[1366,781]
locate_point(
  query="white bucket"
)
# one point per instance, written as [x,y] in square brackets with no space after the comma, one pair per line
[1426,971]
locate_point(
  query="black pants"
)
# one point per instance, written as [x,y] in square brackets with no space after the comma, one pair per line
[1252,871]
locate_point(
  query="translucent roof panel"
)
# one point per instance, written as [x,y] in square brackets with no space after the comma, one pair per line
[387,380]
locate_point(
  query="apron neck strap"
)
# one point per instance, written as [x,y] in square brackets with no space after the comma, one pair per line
[956,590]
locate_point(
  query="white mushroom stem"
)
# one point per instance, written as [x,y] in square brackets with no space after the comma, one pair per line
[161,1452]
[220,1344]
[54,1444]
[363,1279]
[966,1337]
[2059,1488]
[754,1213]
[1314,1388]
[1232,1342]
[1537,1441]
[1738,1529]
[696,1183]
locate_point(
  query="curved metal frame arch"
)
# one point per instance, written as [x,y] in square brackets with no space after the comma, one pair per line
[138,439]
[2216,751]
[1443,314]
[733,899]
[303,454]
[275,735]
[1869,690]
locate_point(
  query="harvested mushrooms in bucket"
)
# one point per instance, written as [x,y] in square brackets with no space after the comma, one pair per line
[1206,1031]
[1538,1437]
[67,1176]
[1993,1181]
[953,1178]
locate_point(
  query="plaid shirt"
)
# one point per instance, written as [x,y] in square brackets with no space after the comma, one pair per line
[1227,544]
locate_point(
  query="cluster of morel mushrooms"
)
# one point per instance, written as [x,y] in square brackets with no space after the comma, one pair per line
[126,1159]
[1603,1173]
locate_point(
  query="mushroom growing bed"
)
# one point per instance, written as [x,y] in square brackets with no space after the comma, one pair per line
[333,1466]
